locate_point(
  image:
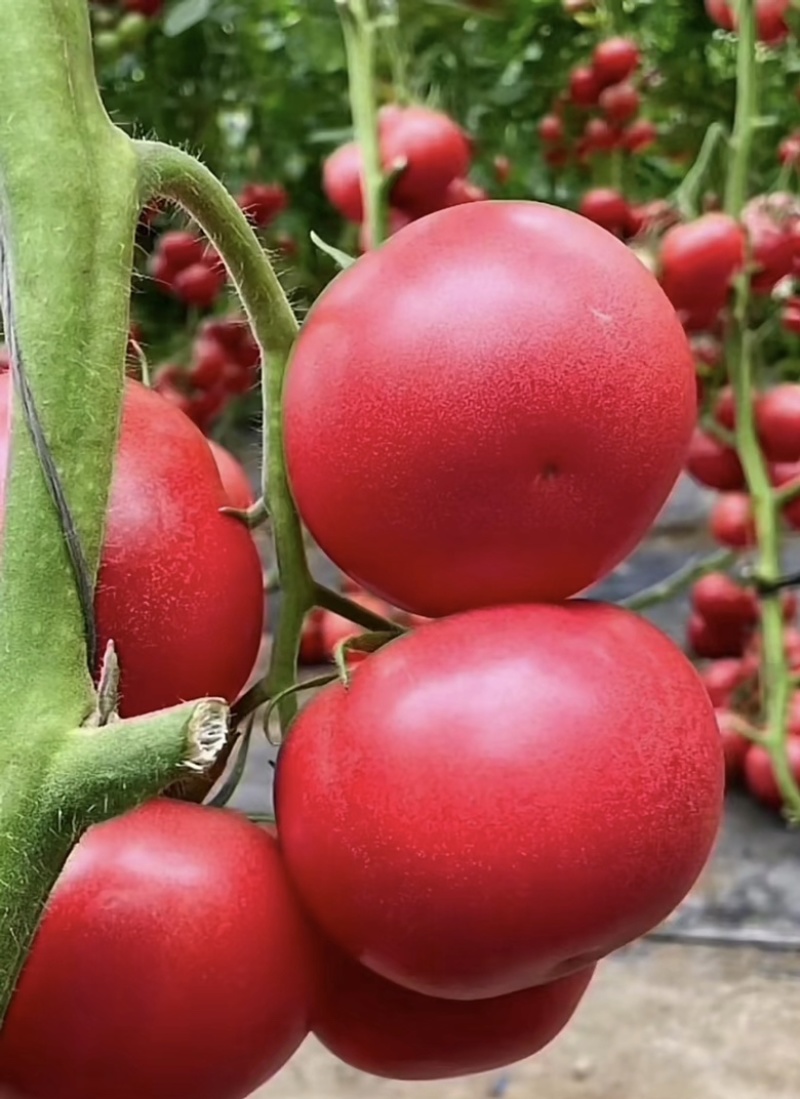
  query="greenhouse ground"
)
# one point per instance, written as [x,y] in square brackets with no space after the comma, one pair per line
[707,1008]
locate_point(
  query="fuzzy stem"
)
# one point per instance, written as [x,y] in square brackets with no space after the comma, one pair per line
[170,173]
[359,39]
[740,356]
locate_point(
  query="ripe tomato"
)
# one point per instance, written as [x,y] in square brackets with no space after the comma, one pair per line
[161,918]
[698,261]
[199,285]
[771,25]
[712,641]
[770,222]
[482,763]
[723,602]
[180,586]
[210,363]
[381,1028]
[234,479]
[263,202]
[732,523]
[551,129]
[778,422]
[759,774]
[499,405]
[606,207]
[180,249]
[620,102]
[639,135]
[722,678]
[437,152]
[614,60]
[502,169]
[599,136]
[584,87]
[735,746]
[341,181]
[713,464]
[463,190]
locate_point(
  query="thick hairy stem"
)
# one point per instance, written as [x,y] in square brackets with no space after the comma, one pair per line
[170,173]
[740,356]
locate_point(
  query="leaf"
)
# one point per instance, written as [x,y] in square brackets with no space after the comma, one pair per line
[341,259]
[184,15]
[368,642]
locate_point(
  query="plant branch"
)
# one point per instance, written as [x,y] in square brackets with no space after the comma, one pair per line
[678,581]
[352,611]
[687,196]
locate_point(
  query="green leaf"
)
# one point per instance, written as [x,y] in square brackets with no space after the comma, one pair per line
[186,14]
[341,259]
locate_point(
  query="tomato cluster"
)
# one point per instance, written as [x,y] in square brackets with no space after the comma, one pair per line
[771,25]
[430,153]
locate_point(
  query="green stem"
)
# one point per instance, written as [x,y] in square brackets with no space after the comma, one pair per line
[673,585]
[170,173]
[352,611]
[359,40]
[740,356]
[687,197]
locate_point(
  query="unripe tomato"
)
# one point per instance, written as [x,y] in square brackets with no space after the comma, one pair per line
[732,523]
[778,422]
[606,207]
[614,60]
[584,87]
[713,464]
[180,586]
[235,481]
[426,811]
[385,1030]
[163,917]
[698,261]
[472,410]
[199,285]
[437,152]
[620,102]
[341,181]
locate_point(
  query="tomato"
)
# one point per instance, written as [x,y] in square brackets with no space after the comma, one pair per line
[234,478]
[712,463]
[463,190]
[489,760]
[732,523]
[698,261]
[412,443]
[721,13]
[599,136]
[149,8]
[771,25]
[614,60]
[584,87]
[437,152]
[199,285]
[620,102]
[711,640]
[770,222]
[725,408]
[778,422]
[210,364]
[723,602]
[162,918]
[381,1028]
[341,180]
[180,249]
[551,129]
[334,629]
[161,271]
[759,774]
[311,647]
[789,149]
[639,135]
[502,169]
[606,207]
[263,202]
[722,678]
[790,316]
[180,586]
[735,745]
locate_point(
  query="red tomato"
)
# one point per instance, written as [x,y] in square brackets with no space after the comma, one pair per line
[778,422]
[735,746]
[725,408]
[784,473]
[180,586]
[724,603]
[161,918]
[639,135]
[771,25]
[698,261]
[551,129]
[614,60]
[199,285]
[770,222]
[210,365]
[712,463]
[711,641]
[790,317]
[381,1028]
[234,478]
[789,149]
[180,249]
[437,152]
[720,12]
[584,88]
[606,207]
[311,647]
[722,678]
[161,271]
[620,102]
[759,774]
[263,202]
[502,169]
[499,405]
[463,190]
[599,136]
[732,522]
[426,811]
[341,180]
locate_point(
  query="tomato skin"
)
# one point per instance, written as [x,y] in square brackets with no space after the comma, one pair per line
[607,208]
[180,586]
[698,261]
[771,25]
[770,222]
[561,379]
[722,678]
[341,180]
[713,641]
[778,422]
[180,249]
[584,87]
[389,1031]
[732,522]
[713,464]
[620,102]
[614,60]
[161,918]
[234,479]
[759,774]
[551,129]
[437,151]
[486,761]
[639,135]
[199,285]
[735,746]
[719,599]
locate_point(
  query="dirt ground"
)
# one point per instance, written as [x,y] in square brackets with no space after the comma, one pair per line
[659,1022]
